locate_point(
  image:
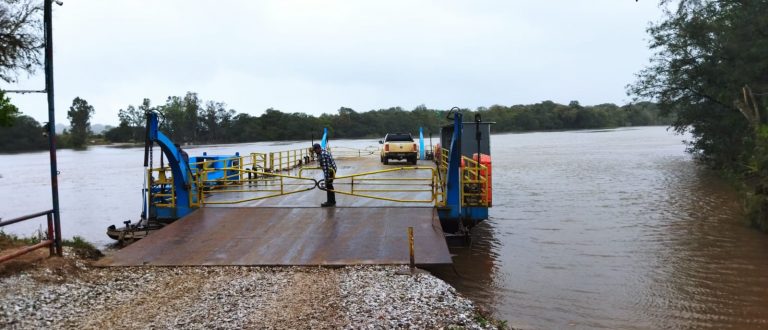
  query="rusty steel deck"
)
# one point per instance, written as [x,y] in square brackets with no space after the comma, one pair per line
[291,236]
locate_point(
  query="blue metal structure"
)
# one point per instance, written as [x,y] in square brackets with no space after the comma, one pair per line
[184,170]
[324,141]
[421,143]
[454,217]
[182,178]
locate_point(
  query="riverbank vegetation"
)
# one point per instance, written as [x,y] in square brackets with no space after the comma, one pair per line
[187,119]
[79,245]
[190,120]
[710,73]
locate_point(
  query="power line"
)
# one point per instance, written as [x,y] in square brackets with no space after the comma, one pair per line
[23,91]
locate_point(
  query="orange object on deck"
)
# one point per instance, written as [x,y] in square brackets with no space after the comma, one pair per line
[485,160]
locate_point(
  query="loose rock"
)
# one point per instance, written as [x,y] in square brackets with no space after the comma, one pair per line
[231,297]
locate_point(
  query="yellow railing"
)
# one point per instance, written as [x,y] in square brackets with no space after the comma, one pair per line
[290,159]
[374,185]
[259,161]
[253,177]
[363,184]
[161,179]
[474,180]
[202,168]
[301,170]
[164,184]
[273,185]
[474,183]
[344,152]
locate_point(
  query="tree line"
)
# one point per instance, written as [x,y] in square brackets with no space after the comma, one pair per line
[19,132]
[189,119]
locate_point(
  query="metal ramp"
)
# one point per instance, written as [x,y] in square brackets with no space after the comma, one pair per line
[280,236]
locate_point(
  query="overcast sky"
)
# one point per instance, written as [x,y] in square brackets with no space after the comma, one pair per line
[316,56]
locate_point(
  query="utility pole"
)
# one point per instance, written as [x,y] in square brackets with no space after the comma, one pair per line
[47,22]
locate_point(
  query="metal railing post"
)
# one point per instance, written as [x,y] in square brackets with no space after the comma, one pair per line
[240,169]
[51,248]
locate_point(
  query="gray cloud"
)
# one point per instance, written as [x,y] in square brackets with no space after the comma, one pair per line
[315,56]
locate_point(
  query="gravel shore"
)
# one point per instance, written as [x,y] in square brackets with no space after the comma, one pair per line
[73,294]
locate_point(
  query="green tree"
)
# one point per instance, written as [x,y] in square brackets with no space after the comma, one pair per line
[8,111]
[705,52]
[191,107]
[26,134]
[135,118]
[121,133]
[215,121]
[79,116]
[20,44]
[20,37]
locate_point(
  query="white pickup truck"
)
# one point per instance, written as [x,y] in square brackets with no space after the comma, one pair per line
[399,146]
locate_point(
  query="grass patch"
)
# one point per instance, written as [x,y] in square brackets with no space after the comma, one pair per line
[79,245]
[82,248]
[485,319]
[8,241]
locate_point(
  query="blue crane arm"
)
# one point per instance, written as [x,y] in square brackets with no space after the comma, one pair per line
[177,162]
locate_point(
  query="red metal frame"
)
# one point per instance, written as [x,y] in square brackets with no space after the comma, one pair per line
[53,241]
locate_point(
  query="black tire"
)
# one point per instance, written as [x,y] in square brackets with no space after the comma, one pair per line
[386,161]
[413,160]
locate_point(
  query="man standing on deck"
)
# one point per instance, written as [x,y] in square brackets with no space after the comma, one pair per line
[329,171]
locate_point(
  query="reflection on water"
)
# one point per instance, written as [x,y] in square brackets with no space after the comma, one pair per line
[612,229]
[589,229]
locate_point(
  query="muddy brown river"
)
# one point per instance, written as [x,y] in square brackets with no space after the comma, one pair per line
[589,229]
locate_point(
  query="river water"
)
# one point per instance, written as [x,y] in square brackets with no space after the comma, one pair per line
[589,229]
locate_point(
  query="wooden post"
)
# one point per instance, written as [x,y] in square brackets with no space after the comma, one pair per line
[410,245]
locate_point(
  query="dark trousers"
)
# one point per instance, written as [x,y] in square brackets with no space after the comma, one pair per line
[329,191]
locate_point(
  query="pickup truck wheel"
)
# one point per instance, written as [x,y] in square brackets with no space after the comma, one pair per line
[386,161]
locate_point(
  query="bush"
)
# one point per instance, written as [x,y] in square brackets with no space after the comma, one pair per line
[82,248]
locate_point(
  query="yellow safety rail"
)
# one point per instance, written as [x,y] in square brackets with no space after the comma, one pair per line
[290,159]
[362,184]
[161,179]
[301,170]
[253,178]
[273,184]
[164,183]
[474,180]
[202,168]
[474,183]
[259,161]
[442,158]
[344,152]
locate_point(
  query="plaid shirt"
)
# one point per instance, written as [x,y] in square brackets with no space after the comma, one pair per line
[326,163]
